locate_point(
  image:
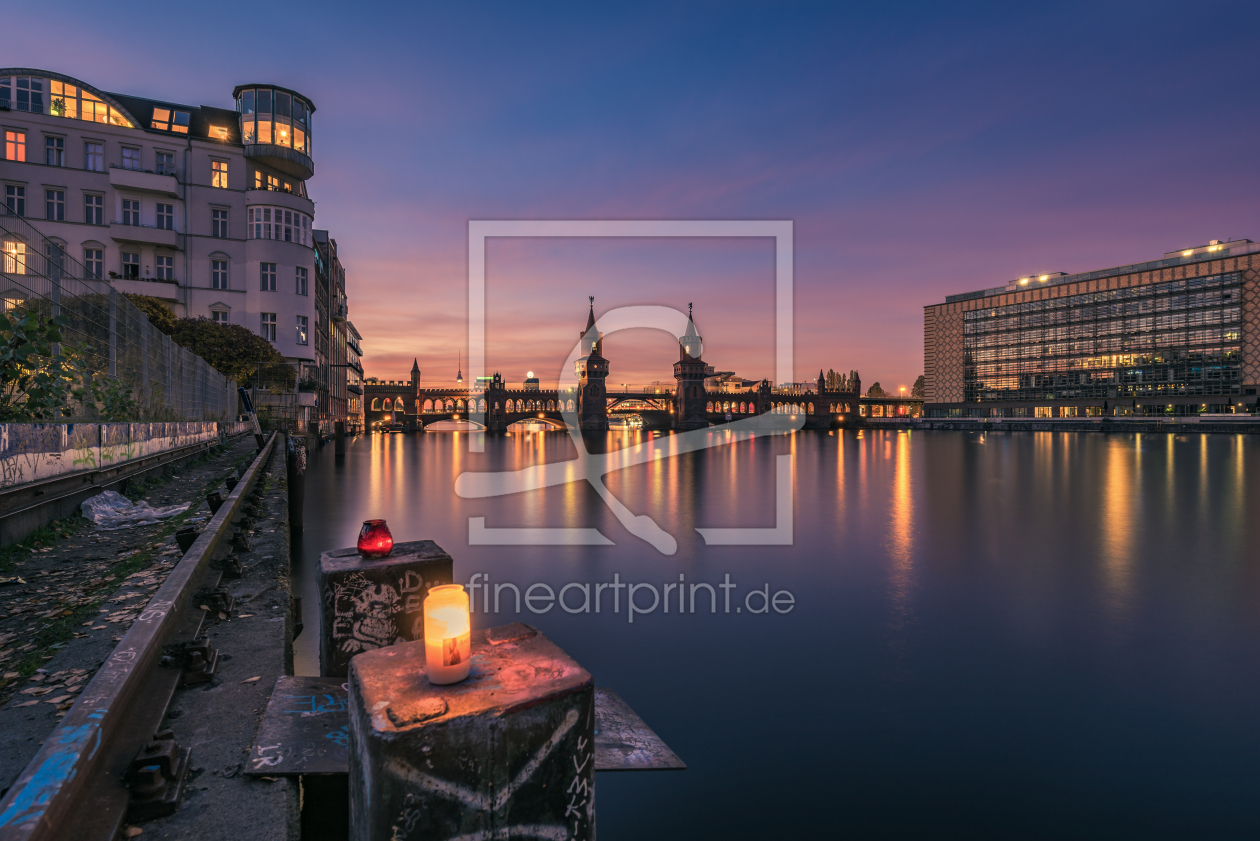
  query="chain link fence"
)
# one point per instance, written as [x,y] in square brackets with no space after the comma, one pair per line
[116,339]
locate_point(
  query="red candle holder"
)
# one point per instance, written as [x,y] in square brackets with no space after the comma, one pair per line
[375,541]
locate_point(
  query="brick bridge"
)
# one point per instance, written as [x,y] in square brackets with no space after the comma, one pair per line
[494,404]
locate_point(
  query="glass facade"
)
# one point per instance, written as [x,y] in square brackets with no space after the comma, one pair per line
[1175,338]
[276,117]
[39,95]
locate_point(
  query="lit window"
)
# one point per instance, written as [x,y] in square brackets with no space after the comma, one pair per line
[218,133]
[301,280]
[165,119]
[131,266]
[131,212]
[165,163]
[15,257]
[258,181]
[219,223]
[94,210]
[219,174]
[301,329]
[166,268]
[15,199]
[15,145]
[268,326]
[130,158]
[267,277]
[166,216]
[94,157]
[55,151]
[94,261]
[218,274]
[55,205]
[219,316]
[273,183]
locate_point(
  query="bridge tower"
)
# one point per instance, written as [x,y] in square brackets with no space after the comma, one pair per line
[592,372]
[689,396]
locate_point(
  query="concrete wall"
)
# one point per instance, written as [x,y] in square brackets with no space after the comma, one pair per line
[33,452]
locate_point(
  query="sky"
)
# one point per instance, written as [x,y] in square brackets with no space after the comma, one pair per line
[919,149]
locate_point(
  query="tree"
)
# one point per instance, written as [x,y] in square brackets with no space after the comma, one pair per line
[231,349]
[917,390]
[35,384]
[160,315]
[876,390]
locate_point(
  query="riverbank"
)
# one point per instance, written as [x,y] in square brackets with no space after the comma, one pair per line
[1179,425]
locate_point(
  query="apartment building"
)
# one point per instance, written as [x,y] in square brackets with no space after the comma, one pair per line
[203,207]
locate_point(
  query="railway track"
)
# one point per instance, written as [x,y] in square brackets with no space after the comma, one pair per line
[106,755]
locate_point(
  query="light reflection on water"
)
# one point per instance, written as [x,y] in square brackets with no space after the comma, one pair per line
[1034,635]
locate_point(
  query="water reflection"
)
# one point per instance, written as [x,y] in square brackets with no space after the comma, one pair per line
[986,626]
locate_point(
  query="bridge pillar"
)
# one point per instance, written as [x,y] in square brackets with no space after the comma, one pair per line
[689,371]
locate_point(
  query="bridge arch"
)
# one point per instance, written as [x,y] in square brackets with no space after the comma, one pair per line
[376,404]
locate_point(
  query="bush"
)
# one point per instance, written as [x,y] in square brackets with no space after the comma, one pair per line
[160,315]
[35,385]
[231,349]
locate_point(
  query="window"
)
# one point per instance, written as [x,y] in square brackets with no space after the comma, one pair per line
[94,157]
[165,268]
[273,183]
[131,212]
[267,277]
[167,120]
[15,145]
[165,163]
[131,266]
[26,93]
[258,182]
[15,198]
[301,329]
[288,226]
[218,274]
[15,257]
[94,210]
[166,216]
[218,174]
[278,223]
[219,316]
[94,261]
[130,158]
[301,280]
[268,326]
[55,202]
[219,223]
[55,151]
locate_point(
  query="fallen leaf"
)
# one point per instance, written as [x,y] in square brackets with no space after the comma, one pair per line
[244,615]
[132,831]
[205,607]
[222,615]
[28,703]
[60,699]
[247,680]
[10,675]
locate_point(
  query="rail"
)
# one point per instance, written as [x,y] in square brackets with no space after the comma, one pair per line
[74,787]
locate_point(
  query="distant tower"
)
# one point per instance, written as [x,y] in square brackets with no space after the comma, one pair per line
[592,371]
[689,370]
[822,382]
[415,376]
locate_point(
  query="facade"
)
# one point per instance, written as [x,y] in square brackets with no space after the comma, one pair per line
[331,353]
[202,207]
[355,421]
[1176,336]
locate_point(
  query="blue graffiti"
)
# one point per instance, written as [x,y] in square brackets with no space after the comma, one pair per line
[32,798]
[317,704]
[340,737]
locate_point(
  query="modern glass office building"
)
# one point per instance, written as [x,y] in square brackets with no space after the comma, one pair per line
[1176,336]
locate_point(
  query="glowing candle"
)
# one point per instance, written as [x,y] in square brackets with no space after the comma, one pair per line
[375,541]
[447,634]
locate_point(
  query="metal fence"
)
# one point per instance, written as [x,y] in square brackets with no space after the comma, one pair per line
[36,275]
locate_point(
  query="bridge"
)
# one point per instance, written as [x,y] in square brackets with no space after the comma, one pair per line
[697,399]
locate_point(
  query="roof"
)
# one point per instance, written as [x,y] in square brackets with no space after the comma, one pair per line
[236,91]
[201,118]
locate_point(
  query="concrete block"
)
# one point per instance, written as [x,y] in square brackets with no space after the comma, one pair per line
[508,753]
[369,604]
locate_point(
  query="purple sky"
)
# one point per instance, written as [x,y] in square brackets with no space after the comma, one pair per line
[920,149]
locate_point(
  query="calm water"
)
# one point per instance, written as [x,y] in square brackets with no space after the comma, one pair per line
[1024,635]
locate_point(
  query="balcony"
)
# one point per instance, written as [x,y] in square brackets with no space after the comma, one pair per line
[283,158]
[354,388]
[146,235]
[146,182]
[169,291]
[340,312]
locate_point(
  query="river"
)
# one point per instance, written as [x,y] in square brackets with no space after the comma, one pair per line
[1012,635]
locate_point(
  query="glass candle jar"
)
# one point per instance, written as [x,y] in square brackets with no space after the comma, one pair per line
[447,634]
[375,541]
